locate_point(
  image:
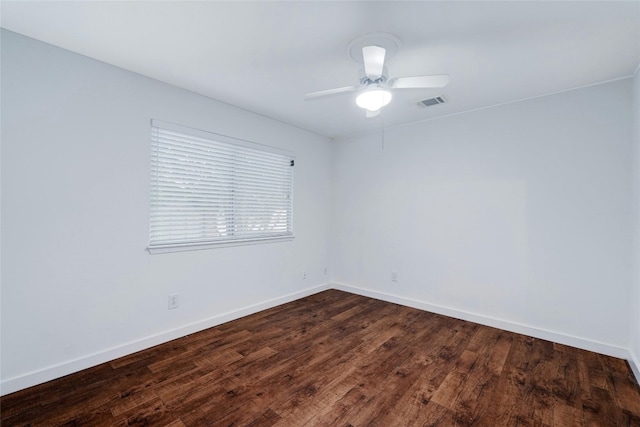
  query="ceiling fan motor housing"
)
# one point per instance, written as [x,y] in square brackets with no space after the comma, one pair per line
[366,81]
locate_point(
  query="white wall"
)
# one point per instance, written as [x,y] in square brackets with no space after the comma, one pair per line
[517,216]
[635,299]
[78,286]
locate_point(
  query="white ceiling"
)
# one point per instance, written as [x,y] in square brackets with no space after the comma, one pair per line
[264,56]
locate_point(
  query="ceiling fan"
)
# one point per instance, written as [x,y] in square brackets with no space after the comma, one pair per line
[375,88]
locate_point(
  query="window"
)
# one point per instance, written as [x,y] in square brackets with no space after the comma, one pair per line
[209,189]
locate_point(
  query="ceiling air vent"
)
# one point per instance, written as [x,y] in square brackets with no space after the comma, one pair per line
[432,101]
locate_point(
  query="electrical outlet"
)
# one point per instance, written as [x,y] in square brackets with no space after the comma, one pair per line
[304,274]
[394,276]
[326,271]
[174,301]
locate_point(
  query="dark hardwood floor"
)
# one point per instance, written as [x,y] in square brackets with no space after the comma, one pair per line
[337,359]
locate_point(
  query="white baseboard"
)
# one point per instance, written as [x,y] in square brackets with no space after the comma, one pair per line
[52,372]
[634,362]
[583,343]
[38,377]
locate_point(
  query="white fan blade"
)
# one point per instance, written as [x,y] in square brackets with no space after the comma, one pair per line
[371,114]
[329,92]
[420,82]
[373,61]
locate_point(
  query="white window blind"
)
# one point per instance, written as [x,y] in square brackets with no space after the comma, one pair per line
[209,189]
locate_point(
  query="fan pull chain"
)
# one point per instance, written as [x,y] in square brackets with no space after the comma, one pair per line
[382,119]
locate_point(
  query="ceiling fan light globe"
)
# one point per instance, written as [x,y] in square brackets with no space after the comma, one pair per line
[373,100]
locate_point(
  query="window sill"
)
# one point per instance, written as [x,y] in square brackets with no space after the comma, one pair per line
[163,249]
